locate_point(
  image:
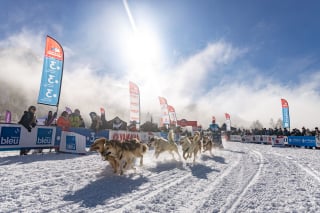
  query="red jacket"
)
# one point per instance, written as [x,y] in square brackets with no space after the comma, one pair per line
[64,123]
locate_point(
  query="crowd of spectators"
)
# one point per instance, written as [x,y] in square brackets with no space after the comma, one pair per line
[278,131]
[69,119]
[99,122]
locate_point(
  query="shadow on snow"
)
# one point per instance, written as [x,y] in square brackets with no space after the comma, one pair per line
[201,171]
[166,166]
[214,157]
[108,187]
[24,159]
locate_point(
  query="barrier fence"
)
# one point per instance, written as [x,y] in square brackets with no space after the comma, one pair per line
[300,141]
[15,137]
[76,140]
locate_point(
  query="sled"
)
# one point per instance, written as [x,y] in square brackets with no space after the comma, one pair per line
[216,139]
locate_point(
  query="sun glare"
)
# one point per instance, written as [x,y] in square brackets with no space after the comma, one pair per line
[142,49]
[143,56]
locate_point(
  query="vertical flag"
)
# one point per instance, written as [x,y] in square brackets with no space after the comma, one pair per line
[103,118]
[285,113]
[227,116]
[52,71]
[8,116]
[228,121]
[172,115]
[164,120]
[134,103]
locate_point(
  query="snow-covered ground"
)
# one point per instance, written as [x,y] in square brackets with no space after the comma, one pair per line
[239,178]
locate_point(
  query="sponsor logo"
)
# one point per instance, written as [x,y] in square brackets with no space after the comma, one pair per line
[71,142]
[92,137]
[55,49]
[124,136]
[10,136]
[44,136]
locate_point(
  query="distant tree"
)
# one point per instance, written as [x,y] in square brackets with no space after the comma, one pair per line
[271,123]
[279,123]
[13,99]
[256,125]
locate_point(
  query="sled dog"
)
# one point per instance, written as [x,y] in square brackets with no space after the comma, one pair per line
[125,152]
[207,144]
[98,146]
[190,146]
[196,140]
[161,145]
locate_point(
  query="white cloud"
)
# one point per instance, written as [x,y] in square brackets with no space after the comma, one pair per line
[185,86]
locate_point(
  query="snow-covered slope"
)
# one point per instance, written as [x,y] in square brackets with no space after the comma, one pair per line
[239,178]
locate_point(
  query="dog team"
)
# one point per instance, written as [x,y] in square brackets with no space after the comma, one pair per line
[121,155]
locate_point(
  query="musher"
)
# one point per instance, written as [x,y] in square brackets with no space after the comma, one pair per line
[215,133]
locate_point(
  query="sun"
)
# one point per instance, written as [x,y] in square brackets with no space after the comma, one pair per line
[143,56]
[142,48]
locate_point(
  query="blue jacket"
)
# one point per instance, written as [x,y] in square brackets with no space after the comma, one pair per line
[214,127]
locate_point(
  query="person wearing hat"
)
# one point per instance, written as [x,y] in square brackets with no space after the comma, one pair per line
[29,121]
[96,121]
[76,119]
[63,121]
[215,132]
[213,127]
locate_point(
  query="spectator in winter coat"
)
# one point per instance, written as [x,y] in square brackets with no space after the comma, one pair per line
[50,119]
[28,120]
[63,121]
[96,124]
[76,119]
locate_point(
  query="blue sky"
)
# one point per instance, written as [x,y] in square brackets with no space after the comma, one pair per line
[205,57]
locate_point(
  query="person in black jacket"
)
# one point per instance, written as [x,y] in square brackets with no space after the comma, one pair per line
[28,120]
